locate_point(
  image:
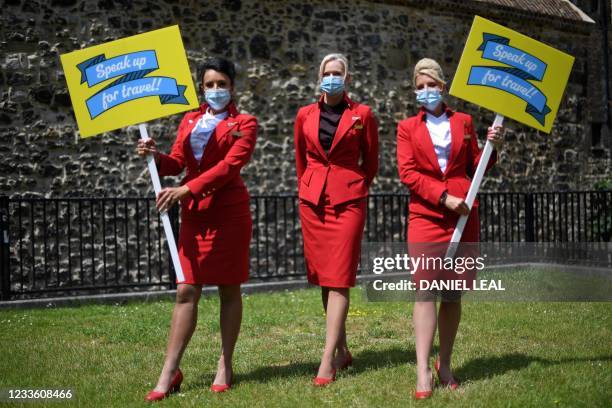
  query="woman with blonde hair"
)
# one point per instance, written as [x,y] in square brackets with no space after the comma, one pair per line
[336,151]
[437,154]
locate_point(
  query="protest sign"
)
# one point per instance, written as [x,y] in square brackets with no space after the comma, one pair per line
[512,75]
[131,81]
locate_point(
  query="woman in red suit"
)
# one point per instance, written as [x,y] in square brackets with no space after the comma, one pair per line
[437,153]
[213,143]
[336,150]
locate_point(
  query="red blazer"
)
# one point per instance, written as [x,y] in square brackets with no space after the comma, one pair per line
[215,180]
[418,165]
[339,170]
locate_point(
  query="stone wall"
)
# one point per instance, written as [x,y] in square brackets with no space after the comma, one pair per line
[277,46]
[599,104]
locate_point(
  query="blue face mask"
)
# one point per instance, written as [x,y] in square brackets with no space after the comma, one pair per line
[217,98]
[429,98]
[332,85]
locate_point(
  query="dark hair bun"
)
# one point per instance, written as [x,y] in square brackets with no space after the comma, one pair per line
[220,65]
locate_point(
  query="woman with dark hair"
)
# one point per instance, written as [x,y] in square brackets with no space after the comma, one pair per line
[437,154]
[212,144]
[336,151]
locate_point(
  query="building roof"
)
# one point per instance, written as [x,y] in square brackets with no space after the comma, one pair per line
[555,8]
[563,12]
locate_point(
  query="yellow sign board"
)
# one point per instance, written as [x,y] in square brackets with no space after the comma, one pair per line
[512,74]
[129,81]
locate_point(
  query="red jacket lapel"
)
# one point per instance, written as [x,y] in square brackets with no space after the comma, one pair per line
[424,138]
[313,129]
[349,117]
[457,130]
[424,141]
[188,152]
[223,128]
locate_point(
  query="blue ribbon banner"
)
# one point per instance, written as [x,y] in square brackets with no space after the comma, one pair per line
[496,48]
[524,67]
[133,84]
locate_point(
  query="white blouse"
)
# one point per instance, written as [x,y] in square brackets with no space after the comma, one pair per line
[439,130]
[200,135]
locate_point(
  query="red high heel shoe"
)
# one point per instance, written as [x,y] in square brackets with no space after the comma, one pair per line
[421,395]
[175,386]
[322,381]
[222,387]
[348,362]
[450,383]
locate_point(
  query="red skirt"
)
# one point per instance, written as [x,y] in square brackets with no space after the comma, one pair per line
[429,237]
[332,241]
[214,247]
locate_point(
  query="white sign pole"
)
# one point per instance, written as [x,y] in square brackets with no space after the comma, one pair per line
[474,187]
[144,135]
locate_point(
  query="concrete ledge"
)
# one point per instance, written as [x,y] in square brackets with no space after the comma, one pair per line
[122,298]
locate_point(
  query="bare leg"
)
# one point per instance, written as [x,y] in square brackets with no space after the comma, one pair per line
[448,323]
[424,320]
[337,309]
[184,319]
[230,317]
[324,297]
[342,348]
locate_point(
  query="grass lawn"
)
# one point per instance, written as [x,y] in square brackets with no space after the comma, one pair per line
[506,354]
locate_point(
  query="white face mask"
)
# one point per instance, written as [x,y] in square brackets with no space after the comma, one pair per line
[332,84]
[217,98]
[429,97]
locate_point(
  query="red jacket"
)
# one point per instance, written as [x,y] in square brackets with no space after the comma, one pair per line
[418,165]
[215,180]
[338,171]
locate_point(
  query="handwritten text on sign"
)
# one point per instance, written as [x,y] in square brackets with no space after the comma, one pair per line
[133,84]
[525,83]
[513,80]
[129,81]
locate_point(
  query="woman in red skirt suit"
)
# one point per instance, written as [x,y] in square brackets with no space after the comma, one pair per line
[437,153]
[212,145]
[336,146]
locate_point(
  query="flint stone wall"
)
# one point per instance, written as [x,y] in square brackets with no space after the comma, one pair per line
[277,47]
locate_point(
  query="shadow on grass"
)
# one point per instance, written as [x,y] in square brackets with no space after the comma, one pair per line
[481,368]
[473,370]
[362,361]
